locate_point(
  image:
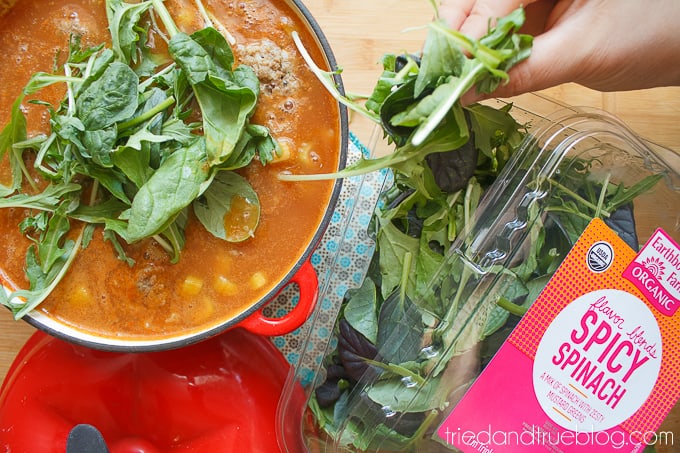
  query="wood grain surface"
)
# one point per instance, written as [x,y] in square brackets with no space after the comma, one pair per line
[361,31]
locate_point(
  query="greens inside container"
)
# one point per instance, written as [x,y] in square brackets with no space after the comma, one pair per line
[403,359]
[466,236]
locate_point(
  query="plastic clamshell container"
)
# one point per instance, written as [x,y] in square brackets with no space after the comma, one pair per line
[499,238]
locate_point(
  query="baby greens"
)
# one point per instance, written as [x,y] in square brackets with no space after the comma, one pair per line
[445,156]
[123,151]
[417,103]
[416,331]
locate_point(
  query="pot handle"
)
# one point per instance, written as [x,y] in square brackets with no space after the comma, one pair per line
[308,283]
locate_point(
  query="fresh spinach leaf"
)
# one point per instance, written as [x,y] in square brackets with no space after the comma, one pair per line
[441,57]
[227,98]
[110,99]
[229,208]
[100,212]
[398,397]
[134,163]
[255,141]
[170,189]
[394,246]
[400,328]
[100,144]
[453,170]
[226,109]
[215,44]
[113,180]
[361,312]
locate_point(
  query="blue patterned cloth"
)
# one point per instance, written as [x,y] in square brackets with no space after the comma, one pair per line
[341,261]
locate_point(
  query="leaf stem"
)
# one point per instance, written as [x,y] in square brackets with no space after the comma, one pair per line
[42,152]
[362,167]
[204,13]
[452,310]
[94,193]
[405,273]
[24,170]
[579,198]
[468,210]
[420,432]
[603,194]
[432,121]
[328,83]
[166,18]
[452,230]
[146,115]
[148,82]
[511,307]
[165,245]
[69,92]
[374,164]
[211,20]
[398,370]
[579,214]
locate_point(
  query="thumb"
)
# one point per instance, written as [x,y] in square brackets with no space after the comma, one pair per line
[547,66]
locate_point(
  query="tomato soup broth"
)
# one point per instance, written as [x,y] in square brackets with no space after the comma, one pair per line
[214,280]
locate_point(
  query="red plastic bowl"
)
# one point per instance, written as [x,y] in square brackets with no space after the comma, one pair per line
[219,395]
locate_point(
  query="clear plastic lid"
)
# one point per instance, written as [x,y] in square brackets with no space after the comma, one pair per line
[574,165]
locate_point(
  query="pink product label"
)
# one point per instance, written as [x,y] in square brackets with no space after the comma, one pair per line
[656,272]
[513,420]
[586,369]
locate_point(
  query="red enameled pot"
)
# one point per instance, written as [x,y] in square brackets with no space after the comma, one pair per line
[253,319]
[219,395]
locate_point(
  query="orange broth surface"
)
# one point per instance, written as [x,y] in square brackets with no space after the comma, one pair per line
[214,280]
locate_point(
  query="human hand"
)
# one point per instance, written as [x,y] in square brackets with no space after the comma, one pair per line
[606,45]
